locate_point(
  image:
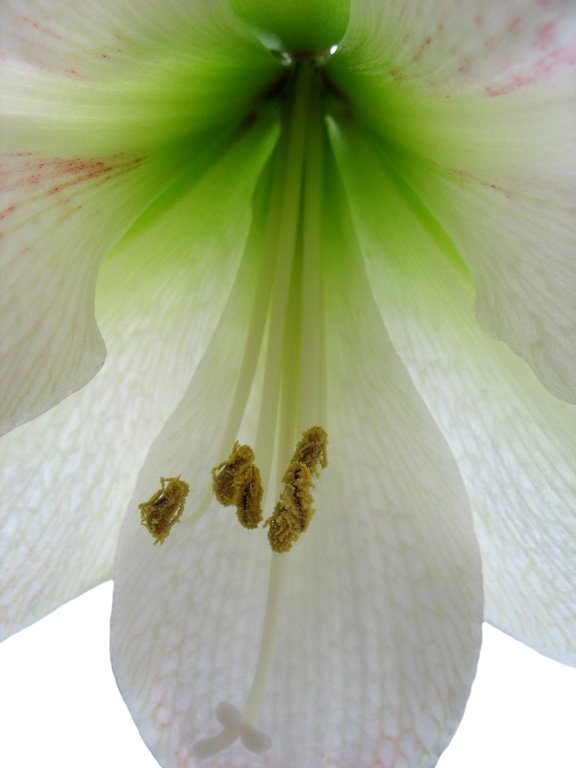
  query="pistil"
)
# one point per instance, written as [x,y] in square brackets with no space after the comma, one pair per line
[289,306]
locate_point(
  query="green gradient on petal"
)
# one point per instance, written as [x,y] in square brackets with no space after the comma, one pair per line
[142,87]
[215,162]
[362,152]
[197,225]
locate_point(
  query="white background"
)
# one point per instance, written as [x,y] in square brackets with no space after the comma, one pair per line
[59,705]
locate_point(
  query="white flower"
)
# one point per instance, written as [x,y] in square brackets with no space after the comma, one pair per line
[276,241]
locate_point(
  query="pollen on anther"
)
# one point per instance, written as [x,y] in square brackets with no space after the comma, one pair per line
[311,449]
[294,510]
[249,501]
[164,508]
[237,482]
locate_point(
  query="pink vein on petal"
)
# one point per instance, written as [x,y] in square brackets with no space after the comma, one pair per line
[561,57]
[32,177]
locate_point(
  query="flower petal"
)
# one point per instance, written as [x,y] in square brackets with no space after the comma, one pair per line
[380,622]
[452,48]
[514,442]
[108,74]
[158,300]
[517,237]
[61,215]
[84,153]
[478,102]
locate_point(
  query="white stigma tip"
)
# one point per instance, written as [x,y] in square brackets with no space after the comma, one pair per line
[204,748]
[234,726]
[254,740]
[228,715]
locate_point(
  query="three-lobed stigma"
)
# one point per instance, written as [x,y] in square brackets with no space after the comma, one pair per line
[234,726]
[164,508]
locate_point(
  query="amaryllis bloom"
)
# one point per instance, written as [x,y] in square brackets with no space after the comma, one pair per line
[327,249]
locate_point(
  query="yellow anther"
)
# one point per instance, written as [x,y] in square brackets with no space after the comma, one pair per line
[249,503]
[164,508]
[294,510]
[237,482]
[226,475]
[312,449]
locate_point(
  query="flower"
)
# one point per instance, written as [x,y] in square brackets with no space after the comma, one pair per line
[288,215]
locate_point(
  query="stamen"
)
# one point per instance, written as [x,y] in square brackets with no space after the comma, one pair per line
[294,510]
[237,482]
[225,475]
[164,508]
[249,505]
[312,449]
[204,748]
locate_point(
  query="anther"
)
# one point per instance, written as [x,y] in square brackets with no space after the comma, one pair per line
[237,482]
[294,510]
[312,449]
[164,508]
[249,501]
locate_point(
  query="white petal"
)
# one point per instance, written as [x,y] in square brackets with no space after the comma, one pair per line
[380,620]
[91,98]
[451,47]
[69,474]
[477,103]
[61,215]
[513,441]
[102,74]
[518,238]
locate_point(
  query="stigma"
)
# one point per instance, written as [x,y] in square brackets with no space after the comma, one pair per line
[234,726]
